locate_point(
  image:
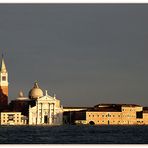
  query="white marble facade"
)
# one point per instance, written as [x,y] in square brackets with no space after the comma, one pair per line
[47,111]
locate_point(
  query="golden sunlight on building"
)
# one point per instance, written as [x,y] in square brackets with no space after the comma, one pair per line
[111,114]
[11,118]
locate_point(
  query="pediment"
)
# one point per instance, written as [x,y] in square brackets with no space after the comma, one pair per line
[46,98]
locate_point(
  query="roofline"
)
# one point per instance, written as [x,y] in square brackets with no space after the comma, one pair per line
[75,107]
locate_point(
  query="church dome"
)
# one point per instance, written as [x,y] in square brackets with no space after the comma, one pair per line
[35,92]
[21,97]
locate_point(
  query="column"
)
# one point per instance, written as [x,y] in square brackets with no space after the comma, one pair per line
[37,113]
[53,113]
[49,113]
[42,113]
[38,116]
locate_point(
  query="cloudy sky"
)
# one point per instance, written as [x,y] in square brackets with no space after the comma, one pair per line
[86,54]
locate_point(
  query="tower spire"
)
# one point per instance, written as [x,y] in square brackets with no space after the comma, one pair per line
[3,66]
[3,84]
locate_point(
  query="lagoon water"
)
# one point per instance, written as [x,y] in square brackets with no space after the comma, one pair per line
[72,134]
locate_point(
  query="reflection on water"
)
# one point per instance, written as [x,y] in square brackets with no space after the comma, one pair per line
[72,134]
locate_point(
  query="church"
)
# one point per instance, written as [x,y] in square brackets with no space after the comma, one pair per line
[37,108]
[47,109]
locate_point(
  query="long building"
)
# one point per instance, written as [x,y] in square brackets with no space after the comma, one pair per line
[113,114]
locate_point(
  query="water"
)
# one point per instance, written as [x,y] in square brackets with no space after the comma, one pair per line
[72,134]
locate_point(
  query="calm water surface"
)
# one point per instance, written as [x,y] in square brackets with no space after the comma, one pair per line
[72,134]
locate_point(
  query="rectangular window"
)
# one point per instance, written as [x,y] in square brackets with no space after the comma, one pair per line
[10,116]
[3,78]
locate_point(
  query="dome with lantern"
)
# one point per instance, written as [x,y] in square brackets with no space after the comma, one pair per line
[35,92]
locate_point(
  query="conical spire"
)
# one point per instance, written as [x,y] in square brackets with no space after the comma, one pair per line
[3,66]
[36,84]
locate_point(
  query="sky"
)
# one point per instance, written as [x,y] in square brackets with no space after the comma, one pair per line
[84,53]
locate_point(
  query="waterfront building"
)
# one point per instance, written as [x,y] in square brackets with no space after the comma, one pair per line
[111,114]
[46,110]
[12,118]
[74,114]
[3,86]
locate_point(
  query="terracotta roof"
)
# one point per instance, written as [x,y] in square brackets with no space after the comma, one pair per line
[117,105]
[105,109]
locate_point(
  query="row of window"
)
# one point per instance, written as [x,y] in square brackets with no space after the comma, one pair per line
[111,116]
[128,109]
[139,121]
[128,116]
[103,121]
[10,114]
[116,121]
[8,120]
[103,115]
[8,117]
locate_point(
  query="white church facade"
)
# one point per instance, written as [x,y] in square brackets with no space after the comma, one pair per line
[46,110]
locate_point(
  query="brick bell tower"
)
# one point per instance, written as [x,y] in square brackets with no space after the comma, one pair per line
[3,85]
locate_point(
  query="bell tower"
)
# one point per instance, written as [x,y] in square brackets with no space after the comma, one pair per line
[3,84]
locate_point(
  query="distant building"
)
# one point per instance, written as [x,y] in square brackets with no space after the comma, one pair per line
[12,118]
[72,114]
[114,114]
[20,104]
